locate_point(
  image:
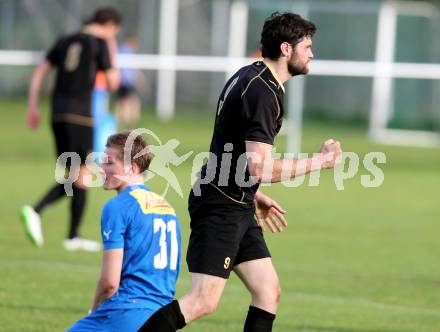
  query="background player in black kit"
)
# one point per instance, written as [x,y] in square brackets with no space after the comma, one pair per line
[224,233]
[76,58]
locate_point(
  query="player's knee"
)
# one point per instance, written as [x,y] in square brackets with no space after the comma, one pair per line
[277,294]
[209,307]
[272,295]
[268,295]
[204,305]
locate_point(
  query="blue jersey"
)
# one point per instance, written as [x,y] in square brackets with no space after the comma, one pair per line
[146,227]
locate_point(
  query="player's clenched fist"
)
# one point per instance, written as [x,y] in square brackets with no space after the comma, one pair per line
[331,153]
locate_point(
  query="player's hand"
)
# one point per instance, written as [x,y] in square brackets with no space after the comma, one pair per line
[33,118]
[331,153]
[269,212]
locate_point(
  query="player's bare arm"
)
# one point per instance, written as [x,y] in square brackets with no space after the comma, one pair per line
[113,74]
[108,282]
[260,157]
[33,114]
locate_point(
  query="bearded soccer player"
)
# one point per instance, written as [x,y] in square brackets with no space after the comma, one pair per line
[225,236]
[76,58]
[141,236]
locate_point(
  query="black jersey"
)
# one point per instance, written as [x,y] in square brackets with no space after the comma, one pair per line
[77,58]
[250,108]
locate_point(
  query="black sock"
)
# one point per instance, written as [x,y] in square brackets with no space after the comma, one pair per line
[167,319]
[54,194]
[77,206]
[258,320]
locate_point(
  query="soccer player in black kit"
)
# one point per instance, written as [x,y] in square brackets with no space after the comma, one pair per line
[76,58]
[224,233]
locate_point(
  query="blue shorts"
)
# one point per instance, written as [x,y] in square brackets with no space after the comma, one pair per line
[113,320]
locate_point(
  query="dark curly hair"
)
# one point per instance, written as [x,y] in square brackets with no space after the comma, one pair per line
[286,27]
[105,15]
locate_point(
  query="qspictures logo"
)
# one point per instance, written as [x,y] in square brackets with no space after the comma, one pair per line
[166,161]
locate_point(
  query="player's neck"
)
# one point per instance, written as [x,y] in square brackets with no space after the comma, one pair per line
[134,180]
[280,69]
[94,29]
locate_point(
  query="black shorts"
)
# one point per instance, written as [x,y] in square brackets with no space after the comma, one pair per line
[125,91]
[224,233]
[71,137]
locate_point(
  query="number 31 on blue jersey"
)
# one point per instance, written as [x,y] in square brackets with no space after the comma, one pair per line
[161,259]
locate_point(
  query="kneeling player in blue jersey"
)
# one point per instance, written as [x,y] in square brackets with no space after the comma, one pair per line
[141,236]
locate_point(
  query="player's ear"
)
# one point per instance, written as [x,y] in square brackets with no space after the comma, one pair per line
[285,48]
[134,169]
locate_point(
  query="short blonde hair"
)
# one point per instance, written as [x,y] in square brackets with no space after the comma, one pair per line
[118,141]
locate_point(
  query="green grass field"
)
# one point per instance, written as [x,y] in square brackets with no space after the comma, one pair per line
[361,259]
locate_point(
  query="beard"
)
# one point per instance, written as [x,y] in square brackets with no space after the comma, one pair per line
[297,68]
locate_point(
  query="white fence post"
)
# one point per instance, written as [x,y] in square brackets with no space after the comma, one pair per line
[382,93]
[237,31]
[166,78]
